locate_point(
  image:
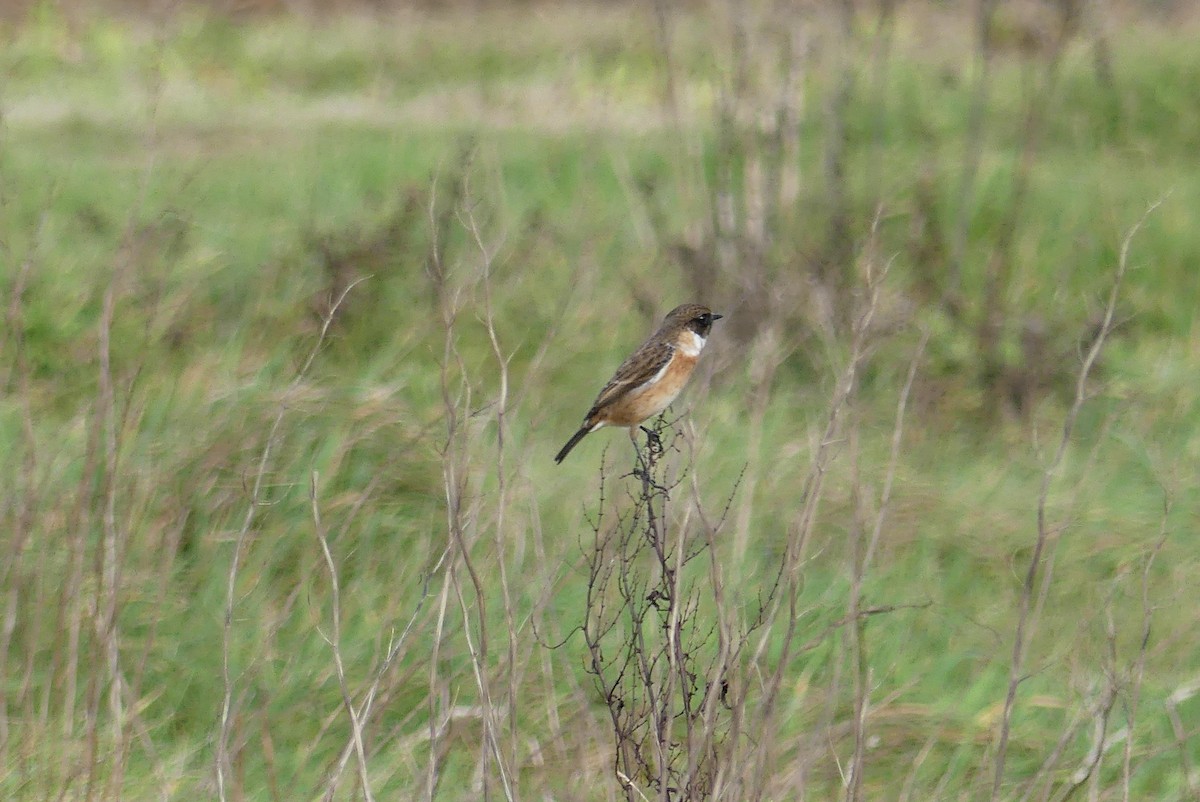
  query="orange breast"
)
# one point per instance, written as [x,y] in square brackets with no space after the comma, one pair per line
[647,401]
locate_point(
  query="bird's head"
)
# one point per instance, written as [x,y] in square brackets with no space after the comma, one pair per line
[694,317]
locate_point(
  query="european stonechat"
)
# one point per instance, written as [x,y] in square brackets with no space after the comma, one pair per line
[648,381]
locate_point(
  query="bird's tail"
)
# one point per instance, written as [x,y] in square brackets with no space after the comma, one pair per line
[574,441]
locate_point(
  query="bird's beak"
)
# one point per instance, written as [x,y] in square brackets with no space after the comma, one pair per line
[717,317]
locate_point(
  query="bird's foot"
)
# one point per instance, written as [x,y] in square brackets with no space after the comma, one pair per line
[653,441]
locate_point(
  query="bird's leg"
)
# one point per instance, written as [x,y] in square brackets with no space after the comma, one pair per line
[641,469]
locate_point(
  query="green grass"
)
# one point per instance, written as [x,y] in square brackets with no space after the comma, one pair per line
[222,180]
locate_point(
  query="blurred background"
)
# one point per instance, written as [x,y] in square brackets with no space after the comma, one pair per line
[301,298]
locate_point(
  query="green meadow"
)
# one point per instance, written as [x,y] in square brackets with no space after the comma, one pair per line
[297,312]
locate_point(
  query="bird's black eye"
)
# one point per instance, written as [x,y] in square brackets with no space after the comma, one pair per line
[706,318]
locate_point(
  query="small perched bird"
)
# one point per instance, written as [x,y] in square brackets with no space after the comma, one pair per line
[648,381]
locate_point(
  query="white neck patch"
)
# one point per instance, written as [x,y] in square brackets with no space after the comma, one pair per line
[690,343]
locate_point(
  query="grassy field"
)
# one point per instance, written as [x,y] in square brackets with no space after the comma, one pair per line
[278,286]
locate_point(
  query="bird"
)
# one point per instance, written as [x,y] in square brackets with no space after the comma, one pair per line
[647,382]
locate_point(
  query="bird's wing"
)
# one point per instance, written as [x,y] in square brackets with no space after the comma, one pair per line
[643,365]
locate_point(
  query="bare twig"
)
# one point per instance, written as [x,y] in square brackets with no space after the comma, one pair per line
[114,539]
[395,646]
[1016,664]
[897,439]
[334,639]
[1138,668]
[21,525]
[456,404]
[860,560]
[500,405]
[800,532]
[1177,697]
[1101,712]
[224,764]
[488,708]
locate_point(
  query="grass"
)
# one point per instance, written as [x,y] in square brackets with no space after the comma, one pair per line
[217,184]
